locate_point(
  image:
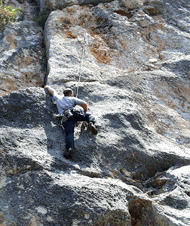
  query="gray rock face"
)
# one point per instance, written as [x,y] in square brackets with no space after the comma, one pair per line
[129,60]
[51,5]
[22,52]
[38,181]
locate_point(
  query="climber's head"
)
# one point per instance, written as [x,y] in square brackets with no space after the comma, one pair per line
[68,92]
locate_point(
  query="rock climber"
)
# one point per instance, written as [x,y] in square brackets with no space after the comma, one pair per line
[65,105]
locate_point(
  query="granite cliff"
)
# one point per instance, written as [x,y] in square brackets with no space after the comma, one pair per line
[129,60]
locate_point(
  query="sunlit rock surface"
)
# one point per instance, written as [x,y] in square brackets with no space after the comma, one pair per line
[22,52]
[129,60]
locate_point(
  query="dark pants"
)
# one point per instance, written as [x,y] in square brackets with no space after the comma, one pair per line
[70,124]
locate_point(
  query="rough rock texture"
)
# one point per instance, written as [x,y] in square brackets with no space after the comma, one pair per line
[144,54]
[130,61]
[48,4]
[22,52]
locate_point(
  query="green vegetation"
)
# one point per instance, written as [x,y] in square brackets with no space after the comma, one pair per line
[7,13]
[41,19]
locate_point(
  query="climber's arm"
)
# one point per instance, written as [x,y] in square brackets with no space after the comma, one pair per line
[51,90]
[84,106]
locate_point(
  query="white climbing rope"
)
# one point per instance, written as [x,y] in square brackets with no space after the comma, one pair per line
[84,46]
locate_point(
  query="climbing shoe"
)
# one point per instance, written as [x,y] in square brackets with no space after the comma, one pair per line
[93,128]
[69,152]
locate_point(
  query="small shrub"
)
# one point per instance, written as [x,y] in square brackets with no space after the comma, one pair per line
[42,17]
[7,13]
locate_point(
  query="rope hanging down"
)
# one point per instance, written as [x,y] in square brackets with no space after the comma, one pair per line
[82,58]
